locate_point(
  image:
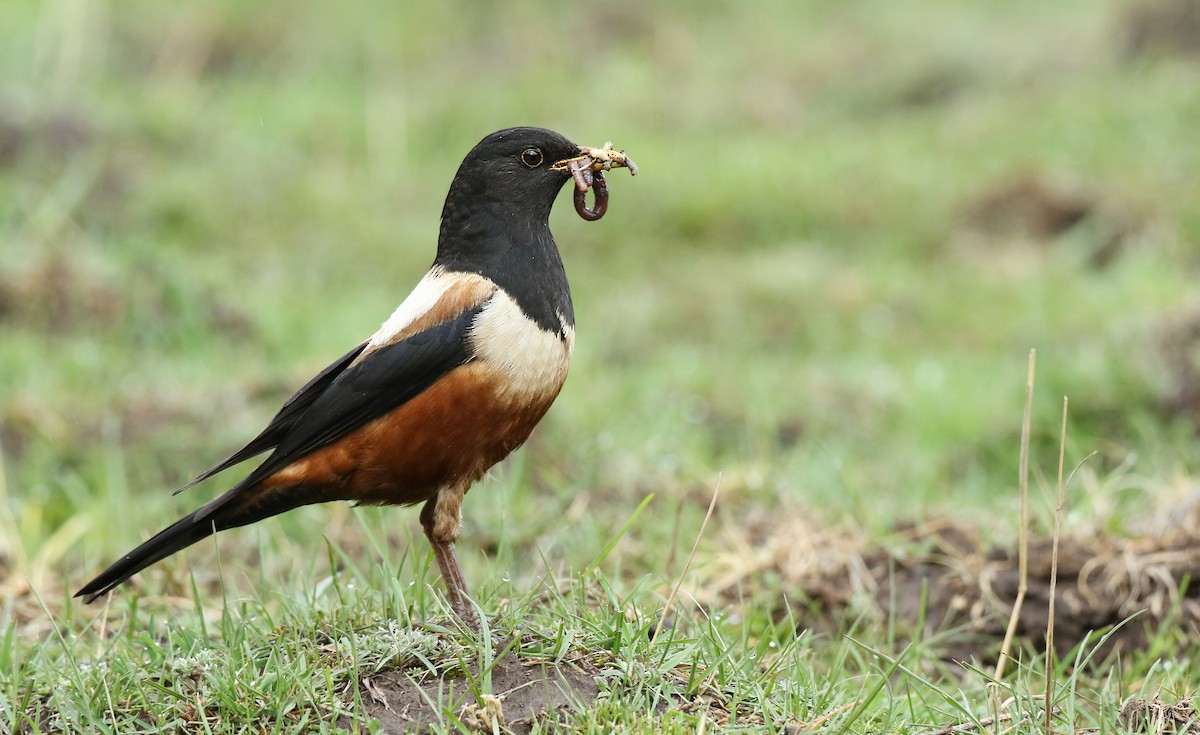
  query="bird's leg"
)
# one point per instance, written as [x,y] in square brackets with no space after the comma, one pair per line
[442,518]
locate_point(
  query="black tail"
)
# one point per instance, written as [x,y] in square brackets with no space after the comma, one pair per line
[239,506]
[179,535]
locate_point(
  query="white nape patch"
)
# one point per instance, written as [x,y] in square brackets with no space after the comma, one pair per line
[533,361]
[428,292]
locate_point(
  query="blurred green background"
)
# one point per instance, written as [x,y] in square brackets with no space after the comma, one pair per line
[852,222]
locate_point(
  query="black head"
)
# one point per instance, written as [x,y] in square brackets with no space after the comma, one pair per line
[512,168]
[496,219]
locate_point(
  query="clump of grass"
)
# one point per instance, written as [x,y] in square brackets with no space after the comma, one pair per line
[201,205]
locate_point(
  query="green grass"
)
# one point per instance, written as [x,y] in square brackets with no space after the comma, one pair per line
[199,207]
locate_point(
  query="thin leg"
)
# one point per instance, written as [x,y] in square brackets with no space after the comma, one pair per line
[456,586]
[441,522]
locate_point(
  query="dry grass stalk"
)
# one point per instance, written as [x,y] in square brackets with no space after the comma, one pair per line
[712,504]
[954,729]
[1023,531]
[986,722]
[1058,509]
[812,726]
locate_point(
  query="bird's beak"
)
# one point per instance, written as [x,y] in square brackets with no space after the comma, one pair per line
[594,159]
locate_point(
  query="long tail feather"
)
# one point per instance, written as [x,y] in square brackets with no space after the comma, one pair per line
[179,535]
[238,507]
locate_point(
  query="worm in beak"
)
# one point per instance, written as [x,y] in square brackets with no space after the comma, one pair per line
[587,169]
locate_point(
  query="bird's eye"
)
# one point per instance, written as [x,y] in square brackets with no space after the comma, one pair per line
[532,157]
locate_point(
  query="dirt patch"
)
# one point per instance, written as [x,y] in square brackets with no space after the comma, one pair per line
[54,294]
[1156,716]
[1179,355]
[58,293]
[1033,207]
[524,692]
[1132,587]
[1161,28]
[942,577]
[935,86]
[1030,205]
[62,133]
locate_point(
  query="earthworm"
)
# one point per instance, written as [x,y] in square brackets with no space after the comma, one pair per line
[582,172]
[601,188]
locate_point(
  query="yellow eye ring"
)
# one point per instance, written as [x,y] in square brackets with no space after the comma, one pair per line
[531,157]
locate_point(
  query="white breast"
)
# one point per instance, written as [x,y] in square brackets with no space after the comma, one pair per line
[532,361]
[428,292]
[439,297]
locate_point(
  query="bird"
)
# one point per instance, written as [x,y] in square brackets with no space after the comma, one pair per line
[450,384]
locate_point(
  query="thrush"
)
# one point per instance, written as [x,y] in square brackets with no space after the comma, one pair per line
[451,383]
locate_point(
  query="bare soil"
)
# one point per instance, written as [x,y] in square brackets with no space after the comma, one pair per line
[524,692]
[940,581]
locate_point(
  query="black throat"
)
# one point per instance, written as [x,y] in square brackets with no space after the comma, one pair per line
[516,251]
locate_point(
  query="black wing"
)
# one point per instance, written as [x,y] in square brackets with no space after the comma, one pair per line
[385,379]
[293,408]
